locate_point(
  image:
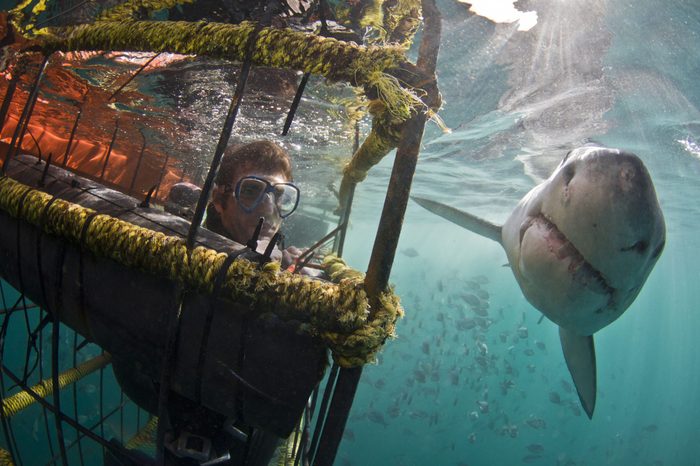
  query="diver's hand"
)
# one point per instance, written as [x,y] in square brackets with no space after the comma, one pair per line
[290,256]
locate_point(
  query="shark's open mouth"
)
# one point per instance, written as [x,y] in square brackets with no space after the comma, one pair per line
[581,270]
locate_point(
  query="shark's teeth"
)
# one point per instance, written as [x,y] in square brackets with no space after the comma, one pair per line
[582,271]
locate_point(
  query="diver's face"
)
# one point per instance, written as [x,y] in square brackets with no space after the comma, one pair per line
[239,223]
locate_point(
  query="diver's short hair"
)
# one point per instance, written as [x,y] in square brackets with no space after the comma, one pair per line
[263,155]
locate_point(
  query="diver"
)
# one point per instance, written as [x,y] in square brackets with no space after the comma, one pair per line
[254,181]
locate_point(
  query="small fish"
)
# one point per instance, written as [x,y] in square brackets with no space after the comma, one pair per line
[471,299]
[394,411]
[420,414]
[507,384]
[377,418]
[528,352]
[472,285]
[473,416]
[536,423]
[483,406]
[522,332]
[466,324]
[535,448]
[650,428]
[409,252]
[554,398]
[482,294]
[349,435]
[481,279]
[566,386]
[379,384]
[541,346]
[472,437]
[483,322]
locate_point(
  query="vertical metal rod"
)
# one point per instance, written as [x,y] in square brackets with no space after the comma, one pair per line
[295,103]
[102,405]
[343,396]
[11,87]
[121,415]
[26,113]
[41,377]
[138,164]
[55,373]
[395,203]
[70,138]
[6,422]
[75,396]
[138,418]
[109,149]
[162,174]
[223,139]
[323,409]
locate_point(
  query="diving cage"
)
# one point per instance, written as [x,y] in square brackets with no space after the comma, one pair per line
[220,356]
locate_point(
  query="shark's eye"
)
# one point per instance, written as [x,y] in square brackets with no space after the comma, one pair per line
[638,247]
[568,174]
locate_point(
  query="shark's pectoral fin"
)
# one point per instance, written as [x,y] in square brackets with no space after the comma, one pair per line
[579,353]
[465,220]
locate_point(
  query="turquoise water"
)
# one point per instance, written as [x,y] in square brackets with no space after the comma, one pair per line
[449,391]
[620,74]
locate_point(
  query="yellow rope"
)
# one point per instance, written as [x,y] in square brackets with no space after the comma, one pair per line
[339,313]
[17,402]
[5,458]
[287,452]
[145,437]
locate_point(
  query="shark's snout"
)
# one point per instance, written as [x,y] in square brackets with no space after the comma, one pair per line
[601,231]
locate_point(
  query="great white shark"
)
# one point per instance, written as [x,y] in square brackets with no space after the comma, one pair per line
[581,245]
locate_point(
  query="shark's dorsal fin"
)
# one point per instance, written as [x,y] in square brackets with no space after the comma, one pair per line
[579,353]
[470,222]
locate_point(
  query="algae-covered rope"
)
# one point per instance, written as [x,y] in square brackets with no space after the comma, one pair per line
[338,313]
[5,458]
